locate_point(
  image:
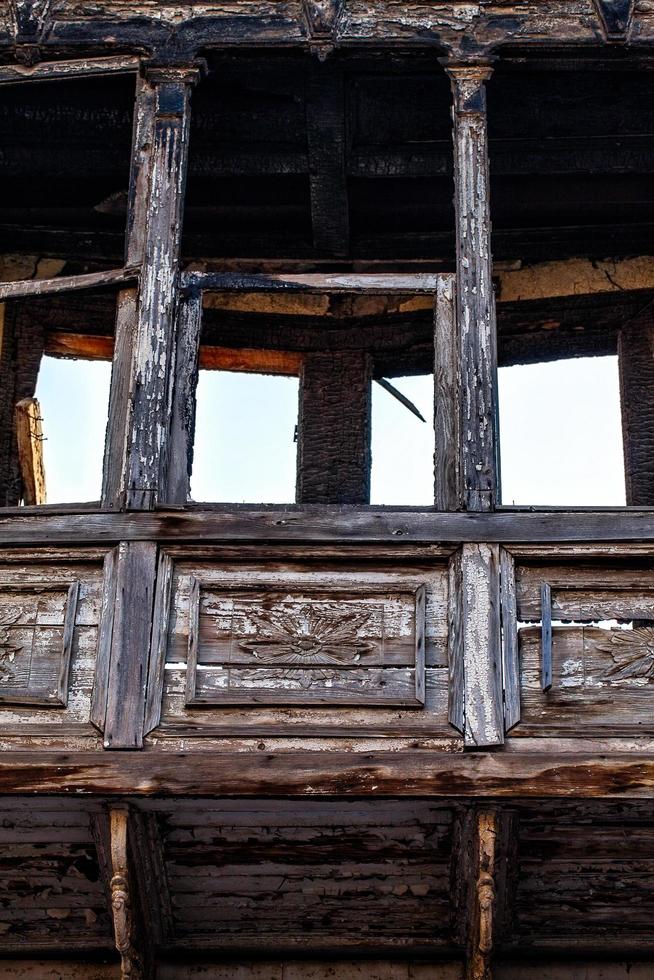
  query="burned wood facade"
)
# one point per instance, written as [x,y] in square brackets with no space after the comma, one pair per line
[324,738]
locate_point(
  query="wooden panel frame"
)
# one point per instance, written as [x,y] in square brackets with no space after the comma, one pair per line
[60,698]
[288,699]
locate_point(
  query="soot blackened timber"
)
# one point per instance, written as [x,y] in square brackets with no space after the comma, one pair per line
[334,429]
[636,365]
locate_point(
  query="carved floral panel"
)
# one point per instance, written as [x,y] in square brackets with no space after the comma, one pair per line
[36,632]
[311,646]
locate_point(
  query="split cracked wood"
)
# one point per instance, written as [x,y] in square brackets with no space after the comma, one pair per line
[29,438]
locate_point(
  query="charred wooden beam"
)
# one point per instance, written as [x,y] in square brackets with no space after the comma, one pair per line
[334,429]
[476,705]
[29,438]
[74,68]
[136,470]
[327,283]
[636,366]
[325,113]
[21,348]
[475,304]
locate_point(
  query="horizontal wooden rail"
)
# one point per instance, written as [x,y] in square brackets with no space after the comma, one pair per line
[341,774]
[322,524]
[24,288]
[378,283]
[77,68]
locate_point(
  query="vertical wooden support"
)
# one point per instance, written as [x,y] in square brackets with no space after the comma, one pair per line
[448,489]
[334,429]
[475,305]
[636,364]
[182,413]
[474,870]
[131,862]
[122,897]
[510,656]
[137,452]
[135,579]
[29,439]
[476,697]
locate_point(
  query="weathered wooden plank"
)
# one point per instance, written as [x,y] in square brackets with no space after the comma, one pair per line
[475,305]
[636,365]
[402,773]
[75,68]
[337,525]
[130,645]
[182,413]
[23,288]
[99,696]
[475,646]
[159,642]
[448,489]
[510,656]
[334,429]
[29,439]
[546,637]
[317,282]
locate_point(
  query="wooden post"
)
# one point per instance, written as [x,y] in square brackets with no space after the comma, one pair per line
[136,471]
[636,364]
[334,429]
[476,698]
[21,349]
[475,305]
[448,488]
[29,438]
[473,875]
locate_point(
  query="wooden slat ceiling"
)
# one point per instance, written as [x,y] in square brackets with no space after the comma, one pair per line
[275,138]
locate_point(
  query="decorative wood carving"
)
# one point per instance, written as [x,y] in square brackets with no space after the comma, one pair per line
[321,17]
[615,16]
[121,897]
[481,949]
[633,653]
[314,644]
[37,621]
[31,19]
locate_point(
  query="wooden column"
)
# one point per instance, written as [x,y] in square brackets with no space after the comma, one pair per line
[476,382]
[334,429]
[636,363]
[137,452]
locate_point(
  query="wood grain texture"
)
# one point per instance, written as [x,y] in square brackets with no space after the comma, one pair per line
[510,655]
[182,413]
[475,646]
[130,645]
[29,439]
[334,429]
[330,525]
[448,488]
[402,773]
[475,304]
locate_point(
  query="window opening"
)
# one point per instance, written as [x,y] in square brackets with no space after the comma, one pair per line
[73,399]
[403,444]
[244,449]
[561,437]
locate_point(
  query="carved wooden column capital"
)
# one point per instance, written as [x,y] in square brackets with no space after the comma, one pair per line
[468,80]
[121,896]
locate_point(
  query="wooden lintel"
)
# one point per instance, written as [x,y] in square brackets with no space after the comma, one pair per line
[72,68]
[340,774]
[604,530]
[29,439]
